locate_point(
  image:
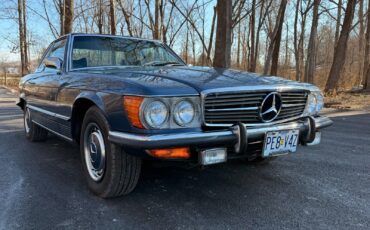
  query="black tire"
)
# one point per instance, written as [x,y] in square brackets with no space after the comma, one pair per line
[33,132]
[120,171]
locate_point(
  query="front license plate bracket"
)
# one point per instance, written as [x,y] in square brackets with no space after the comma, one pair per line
[280,142]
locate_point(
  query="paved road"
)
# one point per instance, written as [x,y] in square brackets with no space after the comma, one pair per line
[321,187]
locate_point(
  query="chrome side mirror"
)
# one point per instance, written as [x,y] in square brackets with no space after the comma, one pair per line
[53,62]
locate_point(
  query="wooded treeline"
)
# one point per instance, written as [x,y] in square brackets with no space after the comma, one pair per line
[326,42]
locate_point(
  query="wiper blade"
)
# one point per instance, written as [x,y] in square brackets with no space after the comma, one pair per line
[162,63]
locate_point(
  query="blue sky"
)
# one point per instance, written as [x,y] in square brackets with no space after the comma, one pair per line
[39,29]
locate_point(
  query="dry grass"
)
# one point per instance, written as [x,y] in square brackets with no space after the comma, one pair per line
[349,101]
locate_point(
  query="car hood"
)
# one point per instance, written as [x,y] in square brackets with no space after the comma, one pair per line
[192,80]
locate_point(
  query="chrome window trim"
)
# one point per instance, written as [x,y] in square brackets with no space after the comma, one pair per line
[253,89]
[48,113]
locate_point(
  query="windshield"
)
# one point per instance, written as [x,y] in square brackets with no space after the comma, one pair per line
[95,51]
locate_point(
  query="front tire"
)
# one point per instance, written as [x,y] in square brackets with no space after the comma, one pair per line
[33,132]
[109,171]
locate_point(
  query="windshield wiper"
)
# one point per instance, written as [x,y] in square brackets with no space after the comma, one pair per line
[162,63]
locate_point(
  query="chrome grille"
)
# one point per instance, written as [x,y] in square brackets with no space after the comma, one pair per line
[229,108]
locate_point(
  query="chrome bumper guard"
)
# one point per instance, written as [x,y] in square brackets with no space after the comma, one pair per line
[307,127]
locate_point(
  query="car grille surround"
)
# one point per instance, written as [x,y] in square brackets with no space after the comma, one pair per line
[228,108]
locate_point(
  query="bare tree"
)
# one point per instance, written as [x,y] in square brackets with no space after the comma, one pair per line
[274,47]
[23,50]
[252,22]
[68,17]
[211,36]
[361,35]
[338,21]
[264,10]
[340,49]
[112,16]
[366,72]
[158,9]
[311,50]
[299,36]
[223,34]
[127,17]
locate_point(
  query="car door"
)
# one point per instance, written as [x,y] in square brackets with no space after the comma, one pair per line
[43,87]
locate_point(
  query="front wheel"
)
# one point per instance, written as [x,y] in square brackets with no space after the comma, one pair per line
[33,132]
[109,171]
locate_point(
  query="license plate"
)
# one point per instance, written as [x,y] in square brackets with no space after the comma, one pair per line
[280,142]
[213,156]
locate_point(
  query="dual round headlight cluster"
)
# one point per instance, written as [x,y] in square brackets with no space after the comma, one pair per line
[157,114]
[315,103]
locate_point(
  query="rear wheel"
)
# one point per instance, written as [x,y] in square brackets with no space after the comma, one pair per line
[109,171]
[33,132]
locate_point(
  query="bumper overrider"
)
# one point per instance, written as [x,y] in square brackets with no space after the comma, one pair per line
[238,135]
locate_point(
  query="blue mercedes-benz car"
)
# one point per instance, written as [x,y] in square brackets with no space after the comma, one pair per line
[124,100]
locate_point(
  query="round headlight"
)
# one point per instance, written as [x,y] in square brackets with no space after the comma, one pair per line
[155,114]
[184,113]
[311,104]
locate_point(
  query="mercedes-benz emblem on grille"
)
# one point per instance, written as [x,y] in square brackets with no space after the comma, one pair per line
[270,107]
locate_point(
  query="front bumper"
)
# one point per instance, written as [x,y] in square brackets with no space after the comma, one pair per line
[238,135]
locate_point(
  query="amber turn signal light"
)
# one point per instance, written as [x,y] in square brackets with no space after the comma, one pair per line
[182,153]
[132,106]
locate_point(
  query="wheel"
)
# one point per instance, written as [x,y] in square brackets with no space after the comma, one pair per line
[33,132]
[109,171]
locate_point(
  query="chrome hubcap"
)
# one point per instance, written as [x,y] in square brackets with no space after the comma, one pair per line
[27,120]
[94,150]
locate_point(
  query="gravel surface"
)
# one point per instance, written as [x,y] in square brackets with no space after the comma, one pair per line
[320,187]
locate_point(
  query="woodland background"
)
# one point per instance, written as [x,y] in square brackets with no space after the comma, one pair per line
[326,42]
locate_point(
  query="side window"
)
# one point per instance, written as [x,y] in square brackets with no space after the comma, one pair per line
[57,50]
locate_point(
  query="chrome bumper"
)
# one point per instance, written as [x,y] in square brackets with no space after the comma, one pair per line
[306,126]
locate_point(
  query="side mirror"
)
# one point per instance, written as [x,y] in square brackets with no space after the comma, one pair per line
[53,62]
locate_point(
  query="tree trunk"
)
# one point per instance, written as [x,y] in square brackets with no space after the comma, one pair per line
[126,16]
[311,50]
[223,34]
[211,36]
[366,73]
[252,61]
[339,17]
[361,40]
[100,17]
[277,38]
[262,18]
[238,47]
[25,42]
[112,13]
[156,34]
[187,44]
[295,42]
[22,37]
[287,58]
[340,49]
[69,14]
[61,15]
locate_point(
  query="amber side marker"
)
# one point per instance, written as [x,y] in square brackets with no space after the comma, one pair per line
[171,153]
[132,106]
